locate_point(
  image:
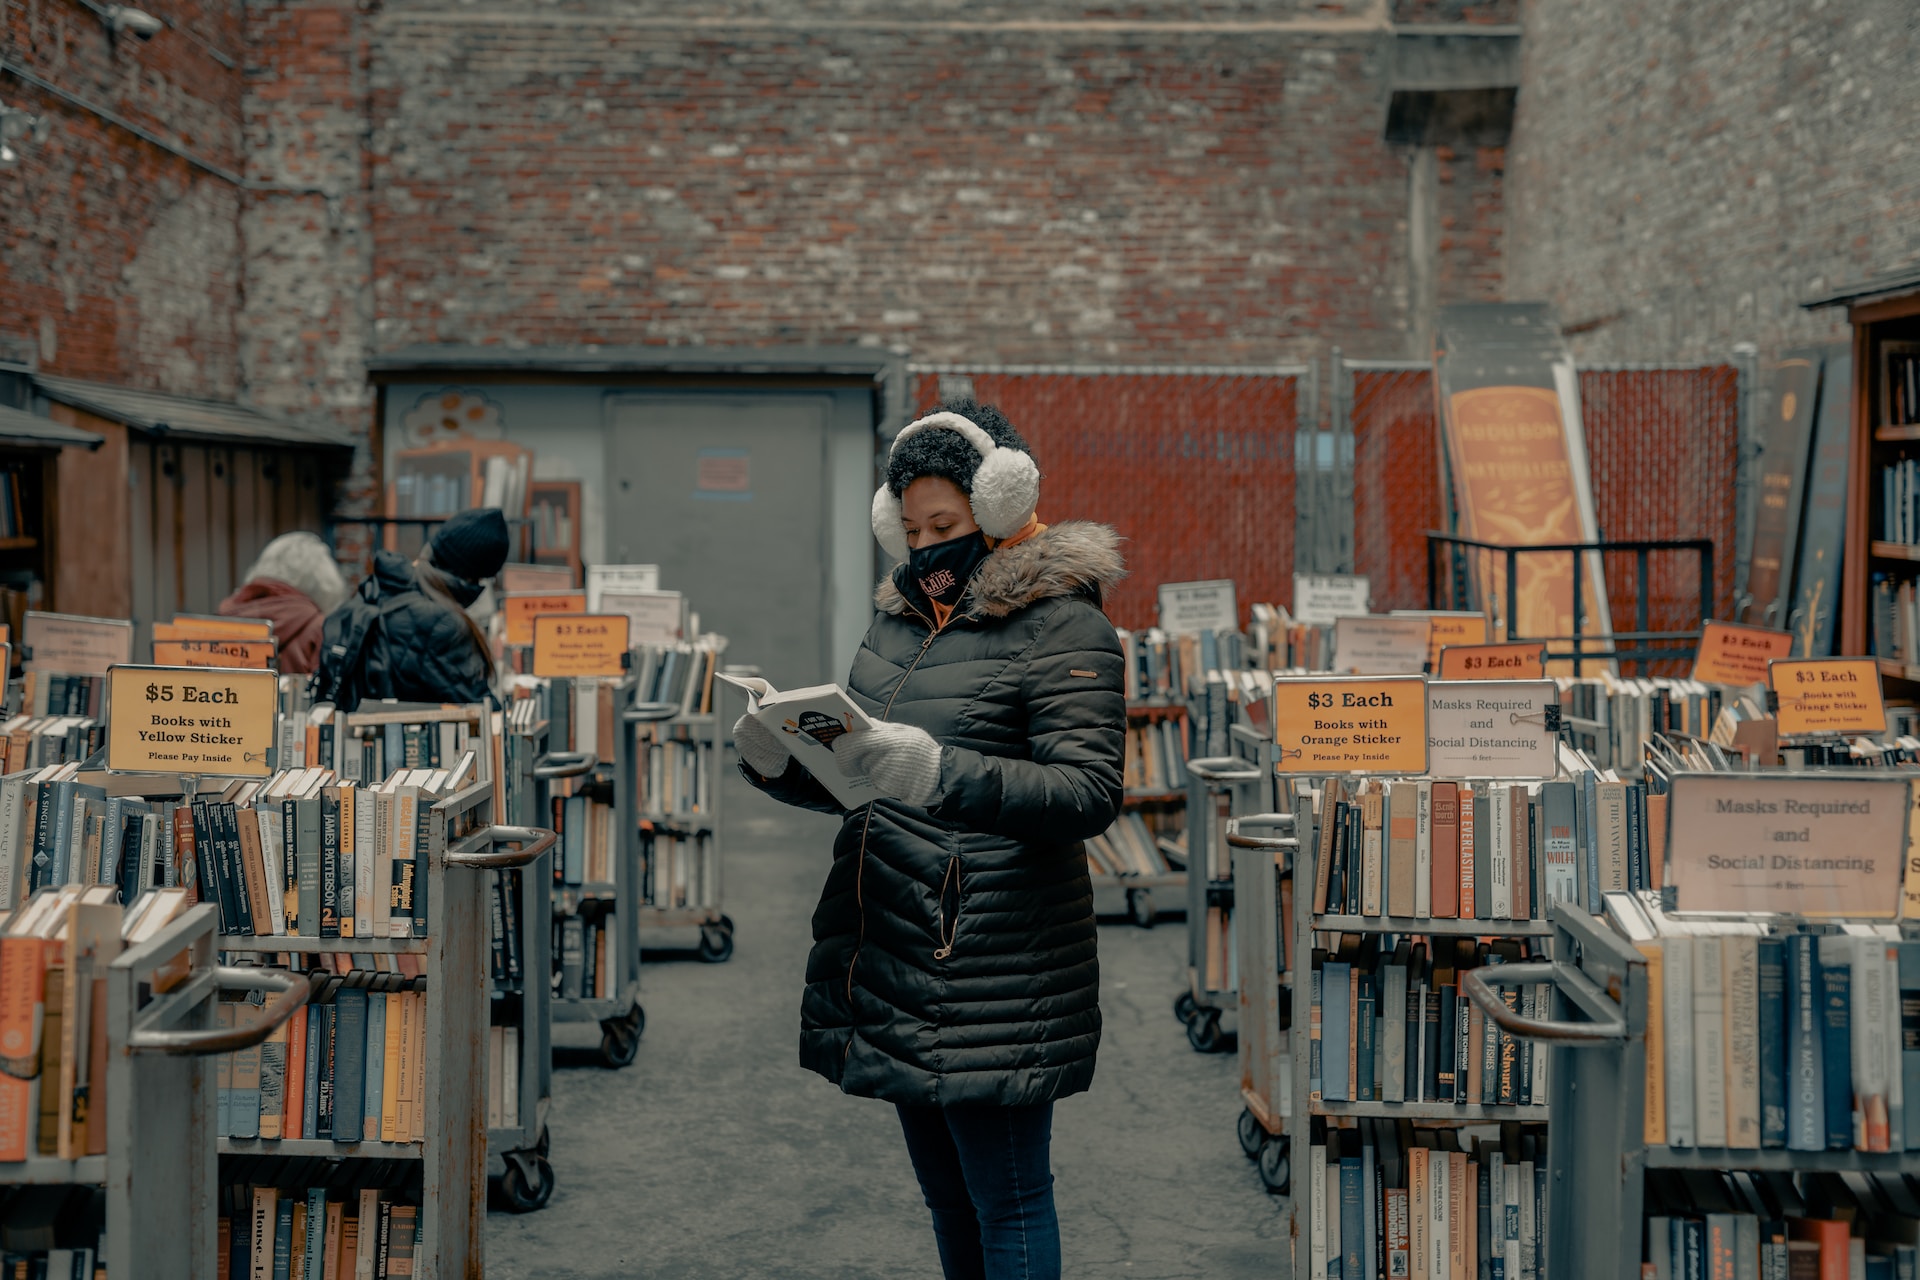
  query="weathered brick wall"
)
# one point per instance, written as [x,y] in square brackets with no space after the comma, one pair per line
[1683,175]
[119,261]
[1069,184]
[308,321]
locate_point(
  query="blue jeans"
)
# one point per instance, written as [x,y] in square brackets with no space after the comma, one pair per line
[985,1173]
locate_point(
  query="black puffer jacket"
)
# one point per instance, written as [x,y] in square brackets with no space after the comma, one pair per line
[415,648]
[954,956]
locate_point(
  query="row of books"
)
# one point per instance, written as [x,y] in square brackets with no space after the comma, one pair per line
[1611,718]
[1900,501]
[678,868]
[674,777]
[382,737]
[681,674]
[350,1067]
[303,855]
[1434,848]
[583,947]
[507,963]
[1386,1199]
[1276,641]
[50,693]
[1132,847]
[13,506]
[1770,1039]
[589,847]
[30,741]
[1156,755]
[1900,384]
[1706,1225]
[1388,1023]
[1161,667]
[54,955]
[266,1233]
[1896,619]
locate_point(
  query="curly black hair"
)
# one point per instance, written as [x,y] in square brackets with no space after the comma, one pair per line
[948,454]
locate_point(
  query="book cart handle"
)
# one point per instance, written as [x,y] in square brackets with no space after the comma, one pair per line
[1608,1026]
[1277,821]
[650,712]
[1218,769]
[480,851]
[290,993]
[564,764]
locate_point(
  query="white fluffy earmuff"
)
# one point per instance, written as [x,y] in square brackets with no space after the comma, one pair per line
[1006,488]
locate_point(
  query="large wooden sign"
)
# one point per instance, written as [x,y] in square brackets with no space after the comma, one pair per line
[1828,695]
[1734,654]
[1332,724]
[1793,844]
[192,720]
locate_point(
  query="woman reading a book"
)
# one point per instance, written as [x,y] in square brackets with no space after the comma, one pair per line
[953,971]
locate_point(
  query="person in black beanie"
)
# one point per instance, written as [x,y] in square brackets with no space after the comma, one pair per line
[954,970]
[405,632]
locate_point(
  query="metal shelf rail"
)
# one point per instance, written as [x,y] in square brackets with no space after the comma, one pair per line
[1260,864]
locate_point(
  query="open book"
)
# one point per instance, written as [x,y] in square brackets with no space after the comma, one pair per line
[810,721]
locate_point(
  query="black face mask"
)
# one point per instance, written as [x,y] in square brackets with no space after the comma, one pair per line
[943,570]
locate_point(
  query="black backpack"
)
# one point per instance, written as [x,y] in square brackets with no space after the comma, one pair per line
[341,676]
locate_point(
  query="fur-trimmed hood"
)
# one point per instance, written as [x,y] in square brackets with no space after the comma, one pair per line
[1074,557]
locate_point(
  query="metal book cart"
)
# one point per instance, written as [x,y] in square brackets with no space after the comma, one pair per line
[647,728]
[518,1155]
[158,1172]
[1599,1158]
[1260,864]
[621,1018]
[1138,887]
[448,1166]
[1213,785]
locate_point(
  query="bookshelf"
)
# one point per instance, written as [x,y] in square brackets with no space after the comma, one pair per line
[435,482]
[1882,538]
[1263,873]
[26,526]
[554,514]
[676,824]
[1131,858]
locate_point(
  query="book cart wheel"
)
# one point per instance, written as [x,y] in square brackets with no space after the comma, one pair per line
[1184,1006]
[1276,1166]
[1205,1035]
[716,941]
[528,1183]
[1140,907]
[620,1037]
[1251,1133]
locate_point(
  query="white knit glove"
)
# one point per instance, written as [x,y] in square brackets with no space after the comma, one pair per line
[900,760]
[760,747]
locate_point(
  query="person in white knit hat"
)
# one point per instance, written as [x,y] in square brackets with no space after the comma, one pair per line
[954,969]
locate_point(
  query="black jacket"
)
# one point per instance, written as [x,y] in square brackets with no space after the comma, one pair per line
[954,956]
[415,648]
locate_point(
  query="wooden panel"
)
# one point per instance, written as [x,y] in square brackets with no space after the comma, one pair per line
[307,510]
[219,517]
[92,571]
[1854,577]
[247,539]
[168,573]
[195,550]
[140,477]
[285,483]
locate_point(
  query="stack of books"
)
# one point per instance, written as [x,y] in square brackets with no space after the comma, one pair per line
[1743,1223]
[678,867]
[1131,847]
[49,693]
[1169,668]
[1276,641]
[584,956]
[316,1234]
[681,674]
[1157,755]
[30,741]
[1393,1199]
[1612,719]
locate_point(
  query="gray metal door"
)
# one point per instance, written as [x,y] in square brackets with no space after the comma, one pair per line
[727,495]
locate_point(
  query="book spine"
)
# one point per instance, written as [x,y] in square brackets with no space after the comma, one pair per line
[1740,958]
[1771,1029]
[1908,967]
[329,879]
[1836,1039]
[349,1064]
[1709,1043]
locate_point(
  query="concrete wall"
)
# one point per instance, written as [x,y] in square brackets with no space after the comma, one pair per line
[1682,175]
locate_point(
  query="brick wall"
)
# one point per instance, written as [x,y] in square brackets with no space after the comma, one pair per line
[1683,175]
[119,261]
[1211,191]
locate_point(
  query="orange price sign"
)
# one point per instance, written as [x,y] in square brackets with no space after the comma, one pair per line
[1445,628]
[1330,724]
[257,655]
[1493,662]
[199,626]
[579,644]
[1828,695]
[1734,654]
[521,610]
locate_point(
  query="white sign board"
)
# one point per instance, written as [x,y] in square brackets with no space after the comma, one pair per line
[1320,598]
[1187,608]
[619,577]
[71,645]
[1375,646]
[655,617]
[1491,728]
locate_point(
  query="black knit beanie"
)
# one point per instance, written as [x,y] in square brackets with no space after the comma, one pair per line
[472,544]
[947,453]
